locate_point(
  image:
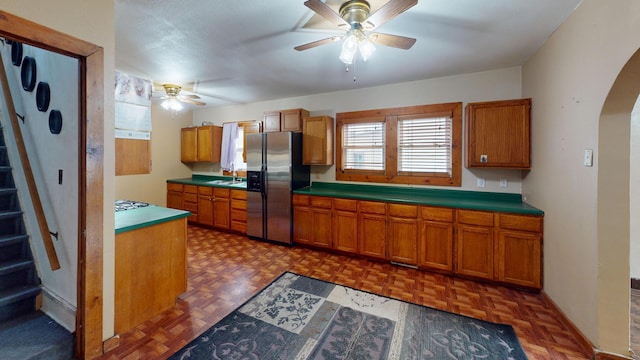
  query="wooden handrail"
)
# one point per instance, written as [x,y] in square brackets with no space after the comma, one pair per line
[26,166]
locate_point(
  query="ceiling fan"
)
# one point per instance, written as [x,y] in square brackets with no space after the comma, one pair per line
[355,18]
[172,99]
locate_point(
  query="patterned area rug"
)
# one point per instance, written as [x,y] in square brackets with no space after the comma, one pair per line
[297,317]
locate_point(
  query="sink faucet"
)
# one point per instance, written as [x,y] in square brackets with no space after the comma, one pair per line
[233,171]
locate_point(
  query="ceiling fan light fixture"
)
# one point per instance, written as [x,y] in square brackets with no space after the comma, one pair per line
[349,49]
[172,104]
[366,48]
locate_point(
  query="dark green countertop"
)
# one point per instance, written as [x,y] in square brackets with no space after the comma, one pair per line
[133,219]
[204,180]
[460,199]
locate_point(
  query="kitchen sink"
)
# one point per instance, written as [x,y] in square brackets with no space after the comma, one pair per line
[228,183]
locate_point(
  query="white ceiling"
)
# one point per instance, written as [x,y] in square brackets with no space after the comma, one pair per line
[241,51]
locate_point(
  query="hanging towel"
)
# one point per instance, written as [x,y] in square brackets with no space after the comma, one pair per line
[228,150]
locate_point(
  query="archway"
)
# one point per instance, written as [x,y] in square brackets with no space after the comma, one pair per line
[613,204]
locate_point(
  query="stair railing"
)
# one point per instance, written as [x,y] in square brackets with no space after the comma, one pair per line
[26,166]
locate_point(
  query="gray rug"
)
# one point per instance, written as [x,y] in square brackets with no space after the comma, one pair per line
[297,317]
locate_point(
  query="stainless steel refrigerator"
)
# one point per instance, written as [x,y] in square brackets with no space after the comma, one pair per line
[274,170]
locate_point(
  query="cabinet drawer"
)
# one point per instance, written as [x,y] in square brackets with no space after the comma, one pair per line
[189,198]
[239,204]
[470,217]
[205,190]
[436,214]
[193,189]
[239,194]
[345,204]
[405,211]
[238,215]
[301,200]
[520,222]
[373,207]
[174,187]
[192,207]
[320,202]
[220,193]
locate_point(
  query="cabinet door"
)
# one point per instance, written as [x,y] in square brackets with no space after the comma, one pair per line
[436,245]
[345,231]
[403,240]
[209,143]
[518,259]
[291,120]
[248,128]
[372,230]
[221,208]
[498,134]
[302,224]
[239,211]
[317,140]
[272,121]
[474,246]
[321,231]
[174,200]
[188,145]
[205,205]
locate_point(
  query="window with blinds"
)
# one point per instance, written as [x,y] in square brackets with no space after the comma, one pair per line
[418,145]
[363,146]
[424,145]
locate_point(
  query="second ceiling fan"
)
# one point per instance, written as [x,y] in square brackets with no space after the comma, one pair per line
[355,18]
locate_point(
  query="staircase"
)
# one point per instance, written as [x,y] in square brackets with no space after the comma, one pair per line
[25,333]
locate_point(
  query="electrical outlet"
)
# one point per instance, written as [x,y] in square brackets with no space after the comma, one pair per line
[504,182]
[480,182]
[484,158]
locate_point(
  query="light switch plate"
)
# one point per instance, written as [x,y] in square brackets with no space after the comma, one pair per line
[588,157]
[480,182]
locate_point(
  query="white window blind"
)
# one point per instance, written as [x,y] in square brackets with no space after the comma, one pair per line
[424,145]
[363,146]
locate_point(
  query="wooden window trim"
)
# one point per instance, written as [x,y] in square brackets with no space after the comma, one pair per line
[390,116]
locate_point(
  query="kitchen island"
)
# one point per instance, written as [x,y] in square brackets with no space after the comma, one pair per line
[150,262]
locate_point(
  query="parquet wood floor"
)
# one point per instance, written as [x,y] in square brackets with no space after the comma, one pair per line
[225,270]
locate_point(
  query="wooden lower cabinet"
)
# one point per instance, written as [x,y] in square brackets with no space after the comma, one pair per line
[239,211]
[205,205]
[372,229]
[402,233]
[505,248]
[312,220]
[174,196]
[474,251]
[221,208]
[190,202]
[345,225]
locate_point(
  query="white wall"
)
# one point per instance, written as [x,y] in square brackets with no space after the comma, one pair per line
[94,22]
[586,273]
[499,84]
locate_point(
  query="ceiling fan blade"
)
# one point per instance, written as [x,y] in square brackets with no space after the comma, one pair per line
[317,43]
[395,41]
[326,12]
[189,101]
[388,11]
[189,96]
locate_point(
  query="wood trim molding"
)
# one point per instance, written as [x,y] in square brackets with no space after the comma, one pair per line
[608,356]
[111,343]
[91,183]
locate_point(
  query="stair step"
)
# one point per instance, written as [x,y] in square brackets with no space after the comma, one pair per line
[8,240]
[8,191]
[15,294]
[10,214]
[7,267]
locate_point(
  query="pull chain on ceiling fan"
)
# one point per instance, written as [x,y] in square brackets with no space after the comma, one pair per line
[354,18]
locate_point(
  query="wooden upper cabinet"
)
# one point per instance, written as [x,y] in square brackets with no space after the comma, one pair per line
[498,134]
[284,120]
[317,140]
[188,145]
[200,144]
